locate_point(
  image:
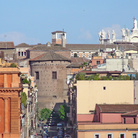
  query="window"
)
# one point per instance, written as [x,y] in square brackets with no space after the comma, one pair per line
[122,136]
[37,75]
[124,120]
[134,120]
[54,75]
[75,54]
[134,135]
[104,88]
[22,53]
[58,36]
[18,53]
[98,62]
[109,136]
[97,136]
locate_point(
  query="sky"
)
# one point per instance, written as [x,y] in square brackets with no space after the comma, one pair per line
[32,21]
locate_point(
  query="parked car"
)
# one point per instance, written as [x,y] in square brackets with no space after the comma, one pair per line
[67,136]
[45,126]
[59,126]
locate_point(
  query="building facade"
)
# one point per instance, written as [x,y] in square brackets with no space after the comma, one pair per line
[50,71]
[10,89]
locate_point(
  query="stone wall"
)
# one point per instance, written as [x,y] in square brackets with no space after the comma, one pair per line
[50,91]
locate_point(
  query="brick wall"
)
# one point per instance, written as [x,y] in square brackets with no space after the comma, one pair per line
[51,90]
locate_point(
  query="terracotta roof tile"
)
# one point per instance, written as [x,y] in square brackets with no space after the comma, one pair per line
[23,45]
[133,113]
[44,47]
[100,46]
[50,56]
[121,108]
[7,45]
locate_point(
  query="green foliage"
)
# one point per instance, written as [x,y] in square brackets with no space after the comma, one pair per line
[80,76]
[44,114]
[96,77]
[13,65]
[25,81]
[24,99]
[63,110]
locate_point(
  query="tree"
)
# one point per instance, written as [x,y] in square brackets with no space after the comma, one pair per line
[63,110]
[44,114]
[13,65]
[24,99]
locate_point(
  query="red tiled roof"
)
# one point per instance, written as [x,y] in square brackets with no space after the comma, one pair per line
[6,45]
[114,108]
[23,45]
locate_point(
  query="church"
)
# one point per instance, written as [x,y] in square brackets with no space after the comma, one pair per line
[127,35]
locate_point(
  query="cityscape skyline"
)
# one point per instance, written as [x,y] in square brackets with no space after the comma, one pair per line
[32,22]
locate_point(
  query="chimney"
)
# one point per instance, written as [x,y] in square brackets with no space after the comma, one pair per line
[63,40]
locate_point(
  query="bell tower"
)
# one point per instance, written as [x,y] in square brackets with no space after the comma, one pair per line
[57,37]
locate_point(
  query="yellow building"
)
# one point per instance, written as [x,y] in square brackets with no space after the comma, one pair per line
[94,92]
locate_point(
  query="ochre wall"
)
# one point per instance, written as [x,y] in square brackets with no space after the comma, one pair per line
[90,93]
[116,134]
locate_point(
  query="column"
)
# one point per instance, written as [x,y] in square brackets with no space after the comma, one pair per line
[7,115]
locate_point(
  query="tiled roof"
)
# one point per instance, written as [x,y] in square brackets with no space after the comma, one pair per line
[7,45]
[100,46]
[44,47]
[77,61]
[133,113]
[50,56]
[23,45]
[117,108]
[58,32]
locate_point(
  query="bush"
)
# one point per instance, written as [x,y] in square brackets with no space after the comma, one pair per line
[24,99]
[13,65]
[25,81]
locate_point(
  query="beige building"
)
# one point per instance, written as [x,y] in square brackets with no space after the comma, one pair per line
[94,92]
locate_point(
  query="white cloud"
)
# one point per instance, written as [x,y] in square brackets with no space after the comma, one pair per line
[116,28]
[17,38]
[85,35]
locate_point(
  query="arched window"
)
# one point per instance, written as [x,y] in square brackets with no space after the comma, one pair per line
[19,53]
[75,55]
